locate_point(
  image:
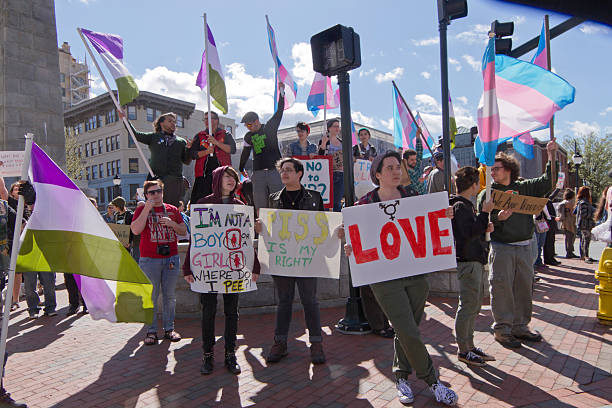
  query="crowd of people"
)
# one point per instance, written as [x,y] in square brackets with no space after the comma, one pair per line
[519,243]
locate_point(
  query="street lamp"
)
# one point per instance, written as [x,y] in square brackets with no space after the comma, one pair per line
[336,51]
[577,160]
[116,184]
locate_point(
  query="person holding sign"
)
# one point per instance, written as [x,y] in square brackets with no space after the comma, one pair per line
[511,257]
[331,145]
[302,147]
[364,150]
[295,197]
[403,299]
[158,225]
[225,180]
[472,250]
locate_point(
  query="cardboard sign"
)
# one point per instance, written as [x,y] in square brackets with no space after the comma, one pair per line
[518,203]
[318,177]
[399,238]
[363,182]
[122,232]
[11,163]
[222,253]
[300,243]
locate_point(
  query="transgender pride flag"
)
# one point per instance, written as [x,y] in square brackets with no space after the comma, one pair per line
[426,135]
[404,128]
[321,85]
[280,73]
[67,234]
[488,115]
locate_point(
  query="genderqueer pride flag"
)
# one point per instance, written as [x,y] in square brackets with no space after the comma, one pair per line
[110,48]
[452,122]
[217,82]
[67,234]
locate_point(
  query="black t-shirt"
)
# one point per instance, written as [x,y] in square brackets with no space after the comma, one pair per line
[291,199]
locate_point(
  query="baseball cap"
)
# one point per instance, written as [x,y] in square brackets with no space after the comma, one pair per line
[249,117]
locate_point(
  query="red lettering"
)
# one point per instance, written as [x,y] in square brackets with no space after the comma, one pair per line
[361,256]
[391,251]
[418,245]
[436,233]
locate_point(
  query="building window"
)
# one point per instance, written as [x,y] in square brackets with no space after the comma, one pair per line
[64,92]
[131,142]
[86,149]
[113,168]
[101,196]
[94,148]
[87,173]
[94,172]
[134,191]
[117,146]
[109,145]
[109,193]
[80,151]
[62,77]
[111,116]
[179,121]
[133,165]
[158,113]
[100,145]
[132,112]
[101,169]
[109,170]
[100,120]
[150,114]
[118,166]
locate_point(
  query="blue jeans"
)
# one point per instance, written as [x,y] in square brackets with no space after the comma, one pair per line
[163,277]
[541,239]
[338,181]
[47,280]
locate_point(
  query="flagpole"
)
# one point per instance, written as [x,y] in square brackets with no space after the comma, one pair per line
[8,301]
[116,102]
[210,129]
[324,109]
[412,116]
[551,126]
[489,181]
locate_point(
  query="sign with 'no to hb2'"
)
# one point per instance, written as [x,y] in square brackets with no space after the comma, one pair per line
[318,177]
[222,253]
[399,238]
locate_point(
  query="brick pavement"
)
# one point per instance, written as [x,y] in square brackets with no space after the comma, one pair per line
[77,362]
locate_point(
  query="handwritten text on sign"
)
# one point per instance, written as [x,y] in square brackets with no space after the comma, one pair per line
[518,203]
[122,232]
[399,238]
[300,243]
[318,176]
[222,253]
[363,182]
[12,161]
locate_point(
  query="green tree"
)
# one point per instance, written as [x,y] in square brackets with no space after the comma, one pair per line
[74,162]
[596,151]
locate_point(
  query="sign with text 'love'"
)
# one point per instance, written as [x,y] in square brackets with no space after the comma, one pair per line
[299,243]
[318,177]
[222,253]
[399,238]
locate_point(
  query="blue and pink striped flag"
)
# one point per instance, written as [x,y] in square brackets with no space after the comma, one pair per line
[426,136]
[404,128]
[280,73]
[488,114]
[540,58]
[321,85]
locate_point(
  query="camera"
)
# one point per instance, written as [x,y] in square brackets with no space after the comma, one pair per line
[163,250]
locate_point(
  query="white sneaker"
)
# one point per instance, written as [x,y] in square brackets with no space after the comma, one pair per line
[404,392]
[443,394]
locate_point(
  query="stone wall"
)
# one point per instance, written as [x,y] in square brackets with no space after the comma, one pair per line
[30,93]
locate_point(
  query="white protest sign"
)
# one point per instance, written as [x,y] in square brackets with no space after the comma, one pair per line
[560,180]
[318,176]
[222,253]
[399,238]
[363,182]
[11,163]
[299,243]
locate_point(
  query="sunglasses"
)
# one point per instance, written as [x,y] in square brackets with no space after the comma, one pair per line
[158,191]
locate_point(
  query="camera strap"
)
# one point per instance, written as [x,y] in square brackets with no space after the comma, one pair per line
[157,221]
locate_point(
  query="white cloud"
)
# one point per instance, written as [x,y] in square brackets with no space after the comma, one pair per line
[593,28]
[606,111]
[455,63]
[96,86]
[518,19]
[462,99]
[427,104]
[472,62]
[302,63]
[359,117]
[426,42]
[425,74]
[478,34]
[364,73]
[583,128]
[388,124]
[390,76]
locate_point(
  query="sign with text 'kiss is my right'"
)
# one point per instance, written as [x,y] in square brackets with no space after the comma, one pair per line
[399,238]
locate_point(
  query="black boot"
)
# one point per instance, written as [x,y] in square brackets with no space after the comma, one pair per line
[207,364]
[231,363]
[7,401]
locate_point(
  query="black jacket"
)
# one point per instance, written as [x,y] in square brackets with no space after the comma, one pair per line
[469,230]
[309,200]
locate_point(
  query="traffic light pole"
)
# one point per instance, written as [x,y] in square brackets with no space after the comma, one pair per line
[445,118]
[354,321]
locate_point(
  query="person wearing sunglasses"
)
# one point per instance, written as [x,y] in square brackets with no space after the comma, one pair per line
[263,141]
[158,225]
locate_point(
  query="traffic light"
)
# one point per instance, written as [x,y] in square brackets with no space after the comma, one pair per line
[335,50]
[452,9]
[502,45]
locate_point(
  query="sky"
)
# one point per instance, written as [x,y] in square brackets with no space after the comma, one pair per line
[163,44]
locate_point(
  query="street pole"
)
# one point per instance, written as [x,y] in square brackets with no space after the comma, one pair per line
[443,24]
[354,321]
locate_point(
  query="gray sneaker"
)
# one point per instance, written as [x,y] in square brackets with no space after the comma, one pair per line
[404,392]
[443,394]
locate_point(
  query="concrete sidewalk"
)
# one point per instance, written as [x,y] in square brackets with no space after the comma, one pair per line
[77,362]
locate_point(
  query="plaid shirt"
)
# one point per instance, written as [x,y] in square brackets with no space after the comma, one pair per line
[415,173]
